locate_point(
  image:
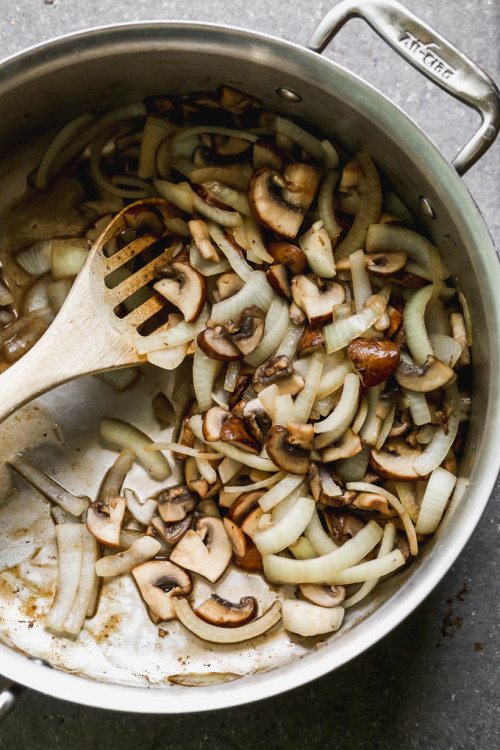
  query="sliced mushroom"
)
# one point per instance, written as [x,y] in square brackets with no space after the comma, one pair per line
[225,614]
[374,359]
[256,419]
[158,582]
[284,455]
[144,216]
[385,403]
[301,435]
[244,505]
[278,371]
[236,101]
[171,532]
[246,331]
[236,536]
[175,503]
[400,427]
[429,376]
[251,523]
[348,446]
[323,596]
[317,303]
[372,501]
[228,284]
[277,276]
[215,344]
[193,478]
[297,315]
[395,321]
[234,431]
[395,461]
[207,507]
[213,420]
[342,525]
[251,560]
[104,519]
[208,556]
[269,207]
[310,340]
[385,264]
[302,182]
[267,154]
[184,287]
[289,255]
[201,237]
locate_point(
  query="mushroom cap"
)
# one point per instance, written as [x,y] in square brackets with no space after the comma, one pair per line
[175,503]
[215,344]
[348,446]
[225,614]
[256,419]
[323,596]
[234,431]
[244,504]
[228,283]
[429,376]
[144,216]
[289,255]
[385,264]
[285,456]
[213,420]
[318,304]
[310,340]
[374,359]
[269,207]
[395,461]
[301,434]
[246,331]
[373,502]
[302,181]
[185,288]
[251,560]
[173,531]
[277,276]
[279,371]
[267,154]
[158,582]
[236,536]
[209,557]
[104,520]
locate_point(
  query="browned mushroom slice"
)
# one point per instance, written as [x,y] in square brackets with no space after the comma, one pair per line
[251,523]
[246,331]
[158,582]
[215,344]
[236,536]
[201,237]
[228,284]
[225,614]
[256,419]
[318,304]
[193,478]
[285,456]
[289,255]
[235,101]
[175,503]
[385,264]
[244,505]
[301,435]
[297,315]
[302,182]
[266,154]
[279,371]
[234,431]
[144,216]
[104,520]
[310,340]
[213,420]
[372,501]
[323,596]
[348,446]
[374,359]
[184,287]
[186,437]
[395,461]
[206,551]
[429,376]
[401,426]
[251,560]
[230,146]
[277,276]
[171,532]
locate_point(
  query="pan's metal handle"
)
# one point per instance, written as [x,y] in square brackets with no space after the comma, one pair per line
[429,53]
[8,697]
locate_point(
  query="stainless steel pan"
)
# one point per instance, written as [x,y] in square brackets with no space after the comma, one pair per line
[119,653]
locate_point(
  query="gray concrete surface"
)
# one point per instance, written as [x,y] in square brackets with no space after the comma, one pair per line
[433,683]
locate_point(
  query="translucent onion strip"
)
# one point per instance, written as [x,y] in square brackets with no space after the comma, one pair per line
[323,569]
[407,495]
[414,324]
[286,531]
[216,634]
[386,546]
[232,253]
[308,619]
[280,491]
[62,138]
[334,426]
[335,369]
[90,551]
[205,370]
[267,482]
[436,451]
[48,486]
[144,548]
[325,205]
[300,136]
[317,536]
[317,246]
[445,348]
[438,491]
[290,340]
[395,503]
[178,448]
[69,542]
[247,459]
[255,292]
[341,332]
[275,327]
[388,238]
[155,131]
[305,399]
[142,512]
[127,436]
[366,571]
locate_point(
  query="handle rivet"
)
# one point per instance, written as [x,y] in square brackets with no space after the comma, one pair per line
[426,208]
[288,95]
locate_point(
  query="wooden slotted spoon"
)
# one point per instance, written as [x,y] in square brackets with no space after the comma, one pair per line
[88,336]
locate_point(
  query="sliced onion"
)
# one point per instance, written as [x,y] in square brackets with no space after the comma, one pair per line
[305,399]
[385,428]
[280,491]
[180,195]
[247,459]
[206,267]
[290,340]
[233,254]
[63,137]
[181,333]
[205,371]
[318,537]
[394,503]
[302,549]
[256,291]
[218,215]
[386,546]
[406,492]
[275,327]
[253,239]
[360,279]
[232,375]
[331,155]
[35,259]
[308,619]
[325,206]
[286,531]
[361,413]
[387,238]
[419,407]
[366,571]
[179,448]
[67,258]
[57,291]
[6,297]
[439,488]
[228,468]
[127,436]
[341,332]
[86,585]
[217,634]
[155,131]
[283,409]
[48,486]
[370,430]
[414,324]
[317,246]
[142,512]
[467,318]
[267,482]
[445,348]
[437,450]
[301,137]
[114,477]
[69,542]
[335,369]
[323,569]
[369,207]
[36,300]
[236,175]
[353,469]
[334,426]
[244,135]
[144,548]
[234,198]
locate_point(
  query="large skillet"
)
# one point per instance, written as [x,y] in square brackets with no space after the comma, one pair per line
[42,88]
